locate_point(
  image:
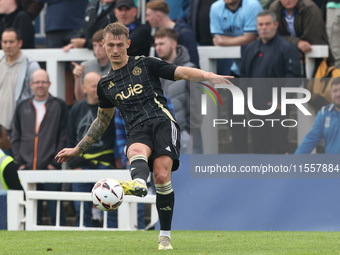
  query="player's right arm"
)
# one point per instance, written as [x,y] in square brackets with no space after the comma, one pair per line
[97,128]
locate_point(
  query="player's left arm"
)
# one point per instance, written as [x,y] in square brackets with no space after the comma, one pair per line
[198,75]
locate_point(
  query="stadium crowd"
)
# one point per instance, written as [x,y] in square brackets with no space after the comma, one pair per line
[266,30]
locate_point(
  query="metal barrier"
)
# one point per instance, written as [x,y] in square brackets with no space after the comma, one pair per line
[127,212]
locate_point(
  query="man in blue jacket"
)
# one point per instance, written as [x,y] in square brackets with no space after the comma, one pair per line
[326,125]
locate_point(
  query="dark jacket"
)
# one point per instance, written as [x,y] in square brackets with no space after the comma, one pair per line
[93,23]
[198,16]
[141,40]
[308,23]
[187,39]
[64,14]
[21,21]
[30,147]
[279,58]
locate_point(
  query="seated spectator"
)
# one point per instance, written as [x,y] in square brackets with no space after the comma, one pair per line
[39,131]
[140,35]
[270,57]
[157,15]
[301,23]
[98,14]
[101,65]
[326,126]
[100,155]
[185,97]
[233,23]
[8,169]
[15,75]
[14,16]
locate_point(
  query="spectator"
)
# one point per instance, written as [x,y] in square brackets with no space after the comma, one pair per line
[8,169]
[326,126]
[269,57]
[39,131]
[301,23]
[233,22]
[185,97]
[98,14]
[198,19]
[333,29]
[140,35]
[100,155]
[63,21]
[14,16]
[157,15]
[15,74]
[100,65]
[32,7]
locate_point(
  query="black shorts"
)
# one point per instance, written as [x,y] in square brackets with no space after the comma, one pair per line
[162,136]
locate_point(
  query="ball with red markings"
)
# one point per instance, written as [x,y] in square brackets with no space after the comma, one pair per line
[107,194]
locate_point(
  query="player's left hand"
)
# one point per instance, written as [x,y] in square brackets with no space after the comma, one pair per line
[66,154]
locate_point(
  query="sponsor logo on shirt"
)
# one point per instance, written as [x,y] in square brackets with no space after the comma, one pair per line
[131,91]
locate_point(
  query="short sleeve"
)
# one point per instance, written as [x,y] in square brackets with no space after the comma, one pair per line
[161,68]
[104,102]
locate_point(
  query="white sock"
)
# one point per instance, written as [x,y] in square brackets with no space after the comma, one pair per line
[165,233]
[140,181]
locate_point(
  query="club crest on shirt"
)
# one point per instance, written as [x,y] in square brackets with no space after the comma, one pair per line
[111,85]
[137,70]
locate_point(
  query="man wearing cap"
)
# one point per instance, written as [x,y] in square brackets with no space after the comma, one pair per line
[140,35]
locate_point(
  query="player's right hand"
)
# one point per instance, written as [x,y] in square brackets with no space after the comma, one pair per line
[66,153]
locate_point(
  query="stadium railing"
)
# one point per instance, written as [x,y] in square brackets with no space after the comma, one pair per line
[127,212]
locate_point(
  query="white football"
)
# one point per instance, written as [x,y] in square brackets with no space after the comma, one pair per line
[107,194]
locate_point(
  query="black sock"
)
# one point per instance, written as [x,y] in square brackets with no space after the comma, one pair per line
[139,167]
[165,205]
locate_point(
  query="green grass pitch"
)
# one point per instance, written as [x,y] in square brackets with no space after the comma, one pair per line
[184,242]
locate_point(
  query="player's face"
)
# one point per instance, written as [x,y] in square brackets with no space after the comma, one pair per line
[152,17]
[116,49]
[125,15]
[335,95]
[5,142]
[99,50]
[289,4]
[164,47]
[266,28]
[10,44]
[40,84]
